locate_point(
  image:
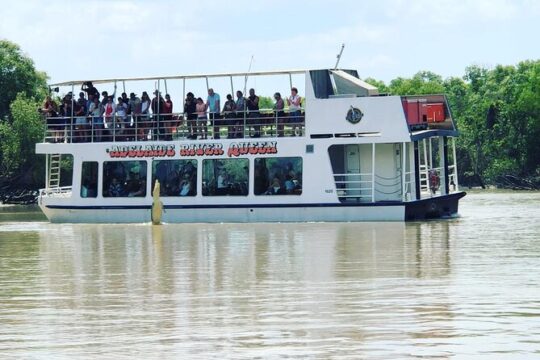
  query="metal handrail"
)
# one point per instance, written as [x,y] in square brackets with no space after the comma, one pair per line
[167,126]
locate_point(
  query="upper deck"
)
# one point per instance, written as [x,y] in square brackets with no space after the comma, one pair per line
[335,104]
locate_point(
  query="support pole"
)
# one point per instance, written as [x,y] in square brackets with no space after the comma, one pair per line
[373,172]
[455,163]
[417,171]
[403,172]
[444,146]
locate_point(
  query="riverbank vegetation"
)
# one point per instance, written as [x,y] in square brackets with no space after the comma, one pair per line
[497,111]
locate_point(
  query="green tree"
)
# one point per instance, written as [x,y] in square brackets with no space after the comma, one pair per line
[19,137]
[18,75]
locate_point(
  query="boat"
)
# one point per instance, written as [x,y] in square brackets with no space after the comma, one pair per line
[347,153]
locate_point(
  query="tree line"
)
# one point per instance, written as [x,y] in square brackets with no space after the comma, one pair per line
[497,111]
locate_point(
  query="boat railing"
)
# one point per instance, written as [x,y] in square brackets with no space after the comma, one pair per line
[173,126]
[354,186]
[62,191]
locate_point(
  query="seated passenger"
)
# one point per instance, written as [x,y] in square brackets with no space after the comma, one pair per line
[137,187]
[185,186]
[275,188]
[289,184]
[115,189]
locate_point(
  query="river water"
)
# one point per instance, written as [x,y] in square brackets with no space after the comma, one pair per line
[462,288]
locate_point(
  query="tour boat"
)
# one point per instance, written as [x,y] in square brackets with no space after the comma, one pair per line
[347,154]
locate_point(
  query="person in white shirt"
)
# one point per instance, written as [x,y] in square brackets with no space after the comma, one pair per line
[295,104]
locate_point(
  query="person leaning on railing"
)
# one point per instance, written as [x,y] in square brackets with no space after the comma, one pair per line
[190,113]
[229,109]
[214,106]
[240,115]
[50,112]
[167,117]
[295,105]
[279,114]
[253,113]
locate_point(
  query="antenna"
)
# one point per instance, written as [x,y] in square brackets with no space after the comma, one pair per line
[247,75]
[339,56]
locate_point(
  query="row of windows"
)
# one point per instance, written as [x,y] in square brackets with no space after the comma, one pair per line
[220,177]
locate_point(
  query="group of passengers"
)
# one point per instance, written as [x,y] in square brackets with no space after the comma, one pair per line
[132,184]
[102,118]
[279,180]
[178,181]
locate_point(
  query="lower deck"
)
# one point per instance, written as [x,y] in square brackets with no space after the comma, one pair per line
[285,180]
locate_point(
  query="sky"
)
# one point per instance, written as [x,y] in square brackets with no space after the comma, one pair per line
[383,39]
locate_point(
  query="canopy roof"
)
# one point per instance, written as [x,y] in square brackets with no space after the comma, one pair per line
[181,77]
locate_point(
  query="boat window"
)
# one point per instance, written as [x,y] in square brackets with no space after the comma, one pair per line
[124,179]
[225,177]
[176,177]
[278,176]
[89,179]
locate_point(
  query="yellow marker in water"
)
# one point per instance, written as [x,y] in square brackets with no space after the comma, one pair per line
[157,205]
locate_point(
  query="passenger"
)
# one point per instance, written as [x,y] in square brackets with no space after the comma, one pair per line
[214,106]
[167,118]
[110,110]
[95,113]
[295,104]
[229,114]
[145,121]
[185,186]
[66,111]
[139,191]
[275,188]
[222,184]
[105,98]
[90,89]
[79,111]
[253,113]
[289,184]
[50,111]
[121,117]
[125,100]
[202,128]
[157,115]
[240,114]
[115,188]
[190,112]
[279,114]
[135,110]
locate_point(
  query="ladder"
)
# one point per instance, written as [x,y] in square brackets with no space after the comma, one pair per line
[53,180]
[423,178]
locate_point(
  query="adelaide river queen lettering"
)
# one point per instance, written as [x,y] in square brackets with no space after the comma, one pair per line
[141,151]
[252,148]
[235,149]
[201,150]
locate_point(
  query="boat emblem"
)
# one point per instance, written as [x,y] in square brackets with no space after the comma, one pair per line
[354,115]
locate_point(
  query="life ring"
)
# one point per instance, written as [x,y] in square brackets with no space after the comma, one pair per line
[434,180]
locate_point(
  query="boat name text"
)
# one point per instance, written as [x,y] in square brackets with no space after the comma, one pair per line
[140,151]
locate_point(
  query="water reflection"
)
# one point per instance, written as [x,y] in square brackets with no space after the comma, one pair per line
[384,290]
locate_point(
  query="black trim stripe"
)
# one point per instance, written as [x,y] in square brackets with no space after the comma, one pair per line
[229,206]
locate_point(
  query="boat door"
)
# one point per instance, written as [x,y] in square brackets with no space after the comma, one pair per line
[352,169]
